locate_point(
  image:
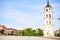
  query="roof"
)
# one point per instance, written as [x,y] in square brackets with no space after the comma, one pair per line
[7,28]
[2,26]
[10,29]
[48,5]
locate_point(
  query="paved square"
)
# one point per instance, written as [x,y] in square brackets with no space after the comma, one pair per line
[25,38]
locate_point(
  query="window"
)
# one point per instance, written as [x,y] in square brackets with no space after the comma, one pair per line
[49,22]
[49,15]
[46,22]
[46,10]
[49,9]
[46,15]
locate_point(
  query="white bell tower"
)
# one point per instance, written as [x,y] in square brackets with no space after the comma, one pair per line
[48,21]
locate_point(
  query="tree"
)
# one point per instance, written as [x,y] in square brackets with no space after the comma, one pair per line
[23,33]
[33,32]
[58,34]
[58,18]
[39,32]
[28,31]
[2,31]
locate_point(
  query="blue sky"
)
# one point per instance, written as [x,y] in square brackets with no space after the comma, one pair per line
[21,14]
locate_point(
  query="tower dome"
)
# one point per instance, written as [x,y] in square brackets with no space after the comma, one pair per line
[48,5]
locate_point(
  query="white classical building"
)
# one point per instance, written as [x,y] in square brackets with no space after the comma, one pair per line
[48,21]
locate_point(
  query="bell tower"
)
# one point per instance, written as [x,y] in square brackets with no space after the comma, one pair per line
[48,21]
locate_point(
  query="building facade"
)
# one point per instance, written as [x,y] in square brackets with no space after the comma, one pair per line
[2,29]
[7,31]
[10,31]
[48,21]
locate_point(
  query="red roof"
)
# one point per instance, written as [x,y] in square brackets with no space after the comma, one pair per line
[10,29]
[6,28]
[3,26]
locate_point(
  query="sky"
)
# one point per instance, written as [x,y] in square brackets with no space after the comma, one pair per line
[21,14]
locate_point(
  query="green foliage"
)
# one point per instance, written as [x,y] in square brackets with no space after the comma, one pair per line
[39,32]
[23,33]
[30,32]
[33,32]
[58,34]
[2,31]
[58,18]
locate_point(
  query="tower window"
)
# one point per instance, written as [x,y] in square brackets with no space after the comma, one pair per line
[46,15]
[49,9]
[49,15]
[46,10]
[46,22]
[49,22]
